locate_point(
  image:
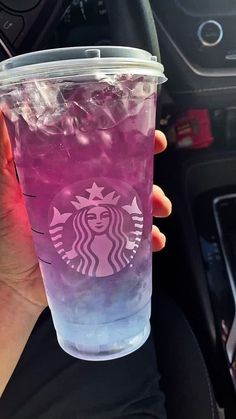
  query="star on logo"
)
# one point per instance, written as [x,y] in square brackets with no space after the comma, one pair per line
[95,191]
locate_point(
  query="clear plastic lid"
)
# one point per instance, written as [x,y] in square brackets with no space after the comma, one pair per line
[80,61]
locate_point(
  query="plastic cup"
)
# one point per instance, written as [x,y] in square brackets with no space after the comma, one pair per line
[81,122]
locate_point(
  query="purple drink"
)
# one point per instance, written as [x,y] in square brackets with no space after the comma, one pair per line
[83,148]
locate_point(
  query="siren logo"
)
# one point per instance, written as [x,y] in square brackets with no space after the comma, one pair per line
[96,230]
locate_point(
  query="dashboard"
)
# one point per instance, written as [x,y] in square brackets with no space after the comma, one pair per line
[197,39]
[207,33]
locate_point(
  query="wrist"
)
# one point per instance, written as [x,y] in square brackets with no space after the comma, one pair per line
[13,302]
[17,320]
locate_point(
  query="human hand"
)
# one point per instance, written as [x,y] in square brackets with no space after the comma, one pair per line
[19,268]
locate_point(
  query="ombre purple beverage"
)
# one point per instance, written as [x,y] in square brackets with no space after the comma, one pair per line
[82,131]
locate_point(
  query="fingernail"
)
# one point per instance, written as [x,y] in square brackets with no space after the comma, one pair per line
[163,237]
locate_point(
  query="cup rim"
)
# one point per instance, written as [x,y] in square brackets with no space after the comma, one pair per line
[42,65]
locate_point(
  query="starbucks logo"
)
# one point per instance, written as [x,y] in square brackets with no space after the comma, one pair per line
[97,228]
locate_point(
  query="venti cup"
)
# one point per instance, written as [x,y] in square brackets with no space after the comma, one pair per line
[81,123]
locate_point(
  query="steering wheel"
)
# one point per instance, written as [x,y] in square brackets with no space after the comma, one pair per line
[132,24]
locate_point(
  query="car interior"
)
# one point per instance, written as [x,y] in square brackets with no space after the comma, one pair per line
[194,277]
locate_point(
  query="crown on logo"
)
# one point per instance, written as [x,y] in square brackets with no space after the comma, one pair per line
[95,192]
